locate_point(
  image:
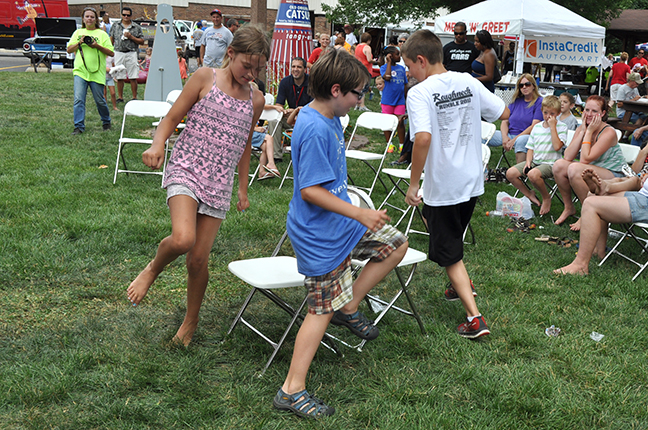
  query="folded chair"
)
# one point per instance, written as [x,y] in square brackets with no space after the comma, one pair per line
[266,276]
[411,259]
[140,108]
[41,54]
[372,121]
[287,134]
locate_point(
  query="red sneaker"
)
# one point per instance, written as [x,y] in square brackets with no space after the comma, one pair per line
[474,329]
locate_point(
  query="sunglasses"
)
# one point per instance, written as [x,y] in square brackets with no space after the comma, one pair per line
[360,94]
[525,84]
[126,14]
[459,33]
[401,41]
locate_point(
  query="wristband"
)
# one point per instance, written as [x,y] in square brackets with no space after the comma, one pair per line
[586,143]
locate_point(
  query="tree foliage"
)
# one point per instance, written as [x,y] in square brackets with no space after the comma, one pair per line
[381,12]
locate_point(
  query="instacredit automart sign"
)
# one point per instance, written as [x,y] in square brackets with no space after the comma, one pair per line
[562,50]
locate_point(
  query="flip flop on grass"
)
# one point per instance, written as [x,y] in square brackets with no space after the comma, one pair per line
[273,172]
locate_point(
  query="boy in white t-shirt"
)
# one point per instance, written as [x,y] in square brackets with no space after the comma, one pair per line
[445,111]
[544,147]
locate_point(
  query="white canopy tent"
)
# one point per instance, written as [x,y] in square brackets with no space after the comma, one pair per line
[548,33]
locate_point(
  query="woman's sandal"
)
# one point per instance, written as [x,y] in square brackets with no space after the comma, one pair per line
[357,323]
[302,404]
[273,172]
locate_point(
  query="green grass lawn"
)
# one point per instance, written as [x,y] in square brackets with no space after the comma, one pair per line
[75,355]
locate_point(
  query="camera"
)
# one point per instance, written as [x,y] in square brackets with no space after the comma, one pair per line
[88,40]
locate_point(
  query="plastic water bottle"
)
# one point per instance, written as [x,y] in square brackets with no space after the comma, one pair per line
[494,213]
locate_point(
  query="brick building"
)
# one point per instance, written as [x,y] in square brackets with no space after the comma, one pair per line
[195,10]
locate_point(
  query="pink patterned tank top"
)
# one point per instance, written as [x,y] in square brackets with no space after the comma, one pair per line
[209,148]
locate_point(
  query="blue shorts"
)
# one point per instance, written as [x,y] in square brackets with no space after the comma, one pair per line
[638,206]
[257,139]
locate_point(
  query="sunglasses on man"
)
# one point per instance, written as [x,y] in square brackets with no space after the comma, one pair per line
[459,33]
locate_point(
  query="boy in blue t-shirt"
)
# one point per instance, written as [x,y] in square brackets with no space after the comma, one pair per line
[326,230]
[393,93]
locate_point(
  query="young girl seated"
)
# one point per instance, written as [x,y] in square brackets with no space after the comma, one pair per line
[567,103]
[543,149]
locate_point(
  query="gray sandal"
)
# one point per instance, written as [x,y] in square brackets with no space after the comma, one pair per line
[302,404]
[357,323]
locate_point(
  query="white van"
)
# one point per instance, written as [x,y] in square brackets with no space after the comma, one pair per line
[184,27]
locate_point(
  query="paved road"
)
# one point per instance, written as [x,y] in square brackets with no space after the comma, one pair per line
[13,61]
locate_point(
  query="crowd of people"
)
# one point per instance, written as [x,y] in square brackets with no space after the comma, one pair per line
[325,229]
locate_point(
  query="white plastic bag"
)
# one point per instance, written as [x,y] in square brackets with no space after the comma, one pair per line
[513,207]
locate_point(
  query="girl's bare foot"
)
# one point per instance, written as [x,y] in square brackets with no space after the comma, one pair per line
[572,269]
[564,215]
[575,226]
[185,333]
[140,286]
[592,180]
[545,207]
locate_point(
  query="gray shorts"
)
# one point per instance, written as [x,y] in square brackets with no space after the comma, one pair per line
[203,209]
[638,206]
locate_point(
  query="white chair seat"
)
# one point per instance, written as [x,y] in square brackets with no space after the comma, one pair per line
[362,155]
[269,272]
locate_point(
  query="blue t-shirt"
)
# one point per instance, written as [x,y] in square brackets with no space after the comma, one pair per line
[522,116]
[321,239]
[394,92]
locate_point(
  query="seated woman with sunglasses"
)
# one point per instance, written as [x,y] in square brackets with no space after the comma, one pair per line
[526,112]
[595,143]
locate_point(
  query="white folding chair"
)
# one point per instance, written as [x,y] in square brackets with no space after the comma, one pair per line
[267,275]
[372,121]
[140,108]
[269,99]
[171,98]
[632,230]
[487,131]
[630,152]
[266,115]
[411,259]
[344,120]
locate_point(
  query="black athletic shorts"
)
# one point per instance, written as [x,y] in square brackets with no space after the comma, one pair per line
[446,225]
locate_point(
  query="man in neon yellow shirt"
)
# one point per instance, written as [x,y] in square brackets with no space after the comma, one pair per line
[91,45]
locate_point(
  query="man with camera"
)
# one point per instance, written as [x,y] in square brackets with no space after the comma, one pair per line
[91,45]
[126,36]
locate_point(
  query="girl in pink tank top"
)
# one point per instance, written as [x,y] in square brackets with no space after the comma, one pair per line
[221,108]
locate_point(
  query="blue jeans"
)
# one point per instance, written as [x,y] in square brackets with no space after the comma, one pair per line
[641,140]
[80,92]
[520,142]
